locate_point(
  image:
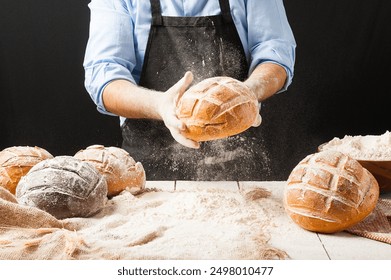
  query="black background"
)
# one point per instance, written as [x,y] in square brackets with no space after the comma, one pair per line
[340,87]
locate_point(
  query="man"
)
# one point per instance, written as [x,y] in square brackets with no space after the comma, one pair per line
[141,54]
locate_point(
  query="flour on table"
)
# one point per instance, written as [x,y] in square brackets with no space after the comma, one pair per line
[204,224]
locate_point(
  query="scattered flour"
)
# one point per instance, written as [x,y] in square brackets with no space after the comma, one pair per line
[193,223]
[204,224]
[368,147]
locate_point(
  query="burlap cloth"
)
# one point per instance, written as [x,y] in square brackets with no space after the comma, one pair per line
[29,233]
[377,225]
[129,228]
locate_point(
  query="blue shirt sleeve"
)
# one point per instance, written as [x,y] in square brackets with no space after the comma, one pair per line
[270,38]
[119,32]
[110,53]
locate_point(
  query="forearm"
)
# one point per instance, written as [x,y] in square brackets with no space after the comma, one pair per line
[128,100]
[266,80]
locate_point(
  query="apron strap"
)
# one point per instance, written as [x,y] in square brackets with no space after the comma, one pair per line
[225,10]
[156,12]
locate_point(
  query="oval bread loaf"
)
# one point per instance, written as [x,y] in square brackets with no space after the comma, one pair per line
[120,170]
[217,108]
[16,161]
[329,192]
[64,187]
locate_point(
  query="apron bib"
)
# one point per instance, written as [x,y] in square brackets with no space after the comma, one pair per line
[208,46]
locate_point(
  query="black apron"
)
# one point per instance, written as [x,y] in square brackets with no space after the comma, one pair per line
[208,46]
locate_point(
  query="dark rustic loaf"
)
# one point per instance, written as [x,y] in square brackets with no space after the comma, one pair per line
[329,192]
[64,187]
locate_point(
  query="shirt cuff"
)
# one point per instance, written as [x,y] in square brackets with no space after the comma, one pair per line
[285,59]
[99,76]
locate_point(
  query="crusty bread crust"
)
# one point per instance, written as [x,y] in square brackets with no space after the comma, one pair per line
[16,161]
[217,108]
[63,186]
[329,192]
[117,166]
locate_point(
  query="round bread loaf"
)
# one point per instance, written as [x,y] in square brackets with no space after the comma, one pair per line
[120,170]
[64,187]
[217,108]
[329,192]
[16,161]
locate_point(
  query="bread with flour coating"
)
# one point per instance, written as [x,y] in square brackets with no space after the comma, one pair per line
[217,108]
[329,192]
[16,161]
[117,166]
[63,186]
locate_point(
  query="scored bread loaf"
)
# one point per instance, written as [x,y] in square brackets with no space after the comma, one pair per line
[63,186]
[16,161]
[329,192]
[217,108]
[117,166]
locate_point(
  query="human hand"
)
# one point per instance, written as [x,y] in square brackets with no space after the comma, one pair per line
[167,108]
[258,119]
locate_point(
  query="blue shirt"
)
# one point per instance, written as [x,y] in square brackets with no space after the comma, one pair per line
[119,32]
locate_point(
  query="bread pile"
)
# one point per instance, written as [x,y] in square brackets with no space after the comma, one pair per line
[69,186]
[119,169]
[63,186]
[329,191]
[217,108]
[16,161]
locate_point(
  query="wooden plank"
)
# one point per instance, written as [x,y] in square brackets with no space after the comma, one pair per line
[284,233]
[346,246]
[302,244]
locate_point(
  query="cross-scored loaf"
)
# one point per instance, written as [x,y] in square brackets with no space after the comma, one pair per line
[63,186]
[217,108]
[117,166]
[16,161]
[329,192]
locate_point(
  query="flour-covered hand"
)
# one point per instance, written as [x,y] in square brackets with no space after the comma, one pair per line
[167,108]
[258,119]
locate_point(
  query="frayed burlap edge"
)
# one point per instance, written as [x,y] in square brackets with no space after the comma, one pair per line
[377,225]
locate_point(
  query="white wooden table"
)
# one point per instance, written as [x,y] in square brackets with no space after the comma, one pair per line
[298,243]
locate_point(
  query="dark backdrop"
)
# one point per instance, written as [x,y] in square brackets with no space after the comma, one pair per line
[340,87]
